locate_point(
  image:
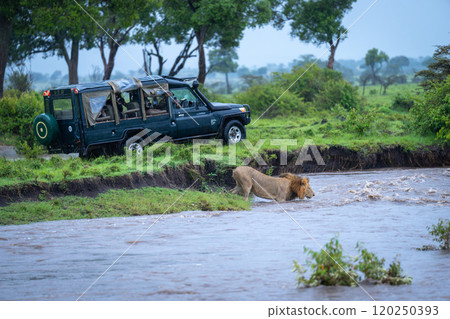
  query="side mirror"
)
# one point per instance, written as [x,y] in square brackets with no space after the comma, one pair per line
[195,84]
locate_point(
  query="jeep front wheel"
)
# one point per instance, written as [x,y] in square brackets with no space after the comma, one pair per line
[233,132]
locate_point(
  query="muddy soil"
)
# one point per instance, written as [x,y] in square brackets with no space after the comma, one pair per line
[336,158]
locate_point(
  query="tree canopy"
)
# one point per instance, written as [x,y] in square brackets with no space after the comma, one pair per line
[217,23]
[374,60]
[438,69]
[223,61]
[318,22]
[118,19]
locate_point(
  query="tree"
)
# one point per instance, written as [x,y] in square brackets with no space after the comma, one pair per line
[118,19]
[388,81]
[14,20]
[398,62]
[63,28]
[438,70]
[158,28]
[217,23]
[375,60]
[318,21]
[222,61]
[363,79]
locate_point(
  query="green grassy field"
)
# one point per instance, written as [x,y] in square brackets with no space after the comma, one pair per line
[120,203]
[373,96]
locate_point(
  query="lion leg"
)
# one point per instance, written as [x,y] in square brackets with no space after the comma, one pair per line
[236,190]
[246,191]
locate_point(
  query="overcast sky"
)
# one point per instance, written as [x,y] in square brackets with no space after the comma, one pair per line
[398,27]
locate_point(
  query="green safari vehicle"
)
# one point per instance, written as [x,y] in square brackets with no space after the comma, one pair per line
[102,117]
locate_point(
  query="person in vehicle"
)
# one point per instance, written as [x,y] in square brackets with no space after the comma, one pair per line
[120,101]
[162,105]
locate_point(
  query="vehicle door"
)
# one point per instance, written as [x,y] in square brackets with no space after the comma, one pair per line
[101,119]
[63,111]
[191,115]
[158,113]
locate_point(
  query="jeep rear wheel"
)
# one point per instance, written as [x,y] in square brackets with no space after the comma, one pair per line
[233,132]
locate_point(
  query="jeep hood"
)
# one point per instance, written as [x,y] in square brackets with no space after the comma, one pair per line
[217,106]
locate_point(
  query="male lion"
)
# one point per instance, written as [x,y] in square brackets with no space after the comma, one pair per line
[283,188]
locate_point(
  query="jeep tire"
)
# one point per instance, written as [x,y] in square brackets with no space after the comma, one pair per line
[233,132]
[45,128]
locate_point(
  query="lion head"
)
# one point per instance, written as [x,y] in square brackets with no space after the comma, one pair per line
[299,186]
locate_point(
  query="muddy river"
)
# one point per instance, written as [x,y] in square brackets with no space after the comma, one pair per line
[238,255]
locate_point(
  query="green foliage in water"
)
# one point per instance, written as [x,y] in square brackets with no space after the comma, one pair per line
[441,233]
[330,267]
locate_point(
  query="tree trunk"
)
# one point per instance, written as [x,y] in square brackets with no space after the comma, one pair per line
[374,76]
[228,83]
[364,89]
[73,62]
[333,47]
[201,56]
[5,36]
[111,58]
[331,58]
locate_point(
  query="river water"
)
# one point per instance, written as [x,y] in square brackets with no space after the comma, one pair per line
[238,255]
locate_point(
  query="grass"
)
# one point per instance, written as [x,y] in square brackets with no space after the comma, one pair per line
[375,98]
[120,203]
[56,169]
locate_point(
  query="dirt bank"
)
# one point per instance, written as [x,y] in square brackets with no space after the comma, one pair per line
[336,158]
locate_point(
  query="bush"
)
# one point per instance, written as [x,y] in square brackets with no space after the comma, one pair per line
[17,114]
[307,81]
[261,97]
[441,233]
[359,121]
[338,93]
[402,102]
[431,111]
[19,80]
[331,267]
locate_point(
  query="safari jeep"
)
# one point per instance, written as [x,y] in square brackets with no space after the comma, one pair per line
[103,116]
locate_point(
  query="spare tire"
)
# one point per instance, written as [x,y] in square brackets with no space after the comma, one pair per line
[45,128]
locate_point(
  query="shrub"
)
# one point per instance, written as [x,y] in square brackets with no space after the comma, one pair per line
[307,81]
[431,111]
[261,97]
[402,102]
[17,114]
[369,264]
[359,121]
[338,93]
[394,275]
[331,267]
[19,80]
[441,233]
